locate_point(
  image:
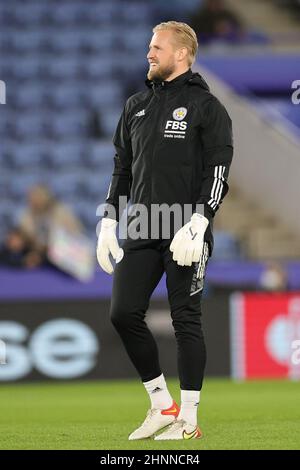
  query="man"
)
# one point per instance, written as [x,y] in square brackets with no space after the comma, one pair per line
[173,146]
[214,21]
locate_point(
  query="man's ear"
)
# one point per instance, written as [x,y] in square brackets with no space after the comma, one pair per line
[182,54]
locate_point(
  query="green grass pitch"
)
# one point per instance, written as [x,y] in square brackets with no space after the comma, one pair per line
[100,415]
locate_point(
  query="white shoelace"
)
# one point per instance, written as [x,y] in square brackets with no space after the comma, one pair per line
[151,412]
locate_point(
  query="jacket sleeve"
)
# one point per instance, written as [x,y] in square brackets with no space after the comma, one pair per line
[217,151]
[121,177]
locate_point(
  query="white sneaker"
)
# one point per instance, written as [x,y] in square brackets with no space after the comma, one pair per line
[180,430]
[156,419]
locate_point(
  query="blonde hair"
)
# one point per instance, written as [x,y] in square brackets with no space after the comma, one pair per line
[185,37]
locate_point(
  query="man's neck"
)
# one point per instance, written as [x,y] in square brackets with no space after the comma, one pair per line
[176,74]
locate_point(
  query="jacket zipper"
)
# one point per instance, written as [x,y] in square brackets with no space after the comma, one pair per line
[160,105]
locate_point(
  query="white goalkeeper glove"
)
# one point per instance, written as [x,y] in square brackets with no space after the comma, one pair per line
[187,244]
[108,244]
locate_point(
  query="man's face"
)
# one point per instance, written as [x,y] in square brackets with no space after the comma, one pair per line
[161,56]
[38,199]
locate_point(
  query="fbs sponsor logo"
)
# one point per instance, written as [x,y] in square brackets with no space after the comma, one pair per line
[176,128]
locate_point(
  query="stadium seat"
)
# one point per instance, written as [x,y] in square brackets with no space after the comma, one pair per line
[21,182]
[26,67]
[102,96]
[64,96]
[64,61]
[65,41]
[29,14]
[28,156]
[100,154]
[136,39]
[67,184]
[8,216]
[68,125]
[65,67]
[136,13]
[110,121]
[226,246]
[98,67]
[66,154]
[31,95]
[29,125]
[5,177]
[93,182]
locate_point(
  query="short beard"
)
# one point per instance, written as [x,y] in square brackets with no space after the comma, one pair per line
[162,74]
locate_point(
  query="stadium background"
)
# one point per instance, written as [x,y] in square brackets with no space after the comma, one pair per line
[68,67]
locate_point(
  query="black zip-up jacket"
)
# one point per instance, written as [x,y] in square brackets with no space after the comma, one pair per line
[173,145]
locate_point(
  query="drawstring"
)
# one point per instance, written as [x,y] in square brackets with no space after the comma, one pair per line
[155,87]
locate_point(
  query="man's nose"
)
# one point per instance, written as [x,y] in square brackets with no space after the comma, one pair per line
[150,55]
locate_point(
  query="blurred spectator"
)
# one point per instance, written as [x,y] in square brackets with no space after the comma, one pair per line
[274,278]
[135,83]
[17,251]
[214,21]
[95,127]
[43,214]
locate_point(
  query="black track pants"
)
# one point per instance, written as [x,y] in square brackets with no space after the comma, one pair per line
[135,279]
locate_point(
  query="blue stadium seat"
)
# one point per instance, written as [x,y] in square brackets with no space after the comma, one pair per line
[68,125]
[76,40]
[95,182]
[29,125]
[65,67]
[98,67]
[86,211]
[137,38]
[28,156]
[27,67]
[63,61]
[5,119]
[66,14]
[226,246]
[27,41]
[21,182]
[103,13]
[100,40]
[7,154]
[31,95]
[64,96]
[102,96]
[79,13]
[136,13]
[8,216]
[67,184]
[110,121]
[100,154]
[66,41]
[5,177]
[30,13]
[66,154]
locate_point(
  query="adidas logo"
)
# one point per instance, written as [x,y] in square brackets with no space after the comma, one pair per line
[140,113]
[157,389]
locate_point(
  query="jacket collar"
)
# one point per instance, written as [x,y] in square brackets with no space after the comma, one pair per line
[189,76]
[177,81]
